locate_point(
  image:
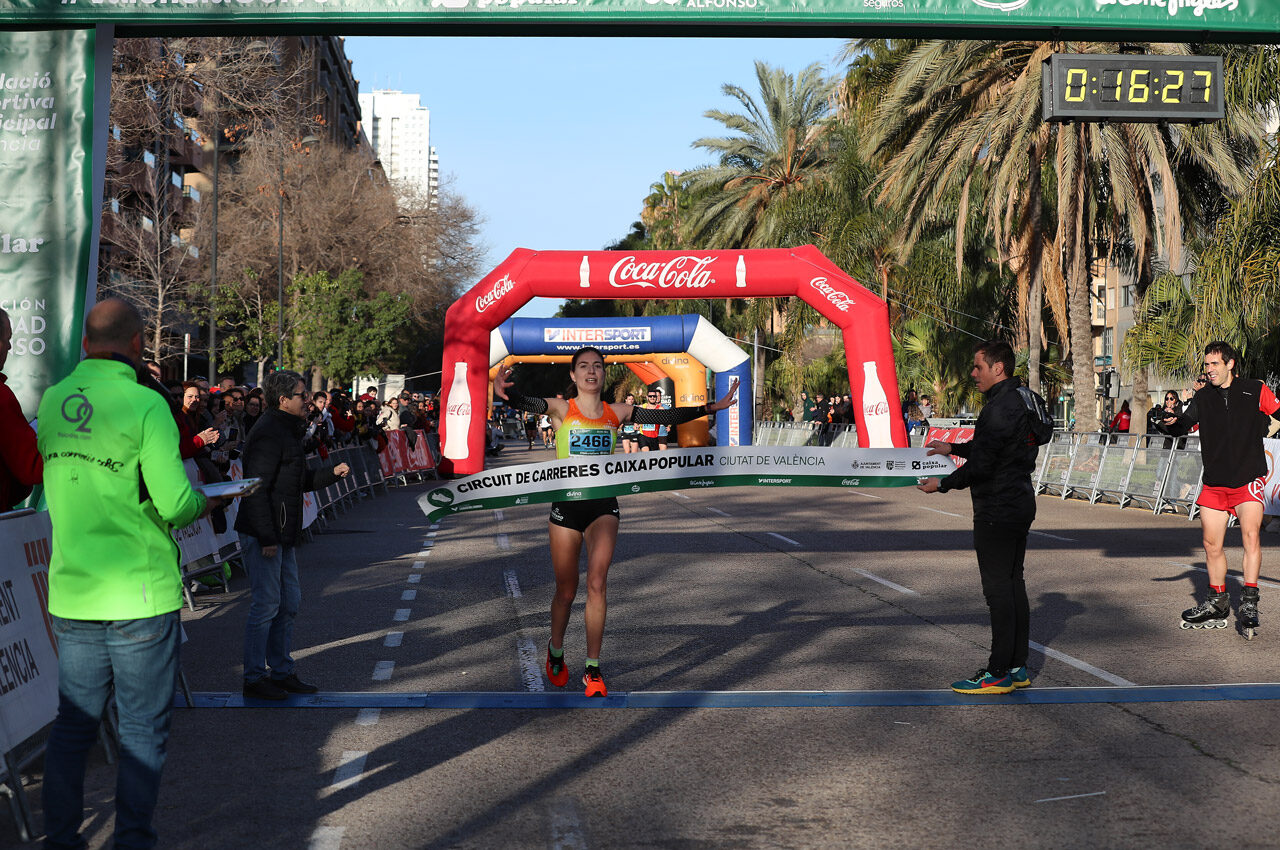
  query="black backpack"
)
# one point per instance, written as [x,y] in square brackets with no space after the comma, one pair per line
[1038,417]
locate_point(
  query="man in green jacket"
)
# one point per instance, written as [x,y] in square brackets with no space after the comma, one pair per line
[115,488]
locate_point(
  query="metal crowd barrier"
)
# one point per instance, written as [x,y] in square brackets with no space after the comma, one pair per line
[1155,471]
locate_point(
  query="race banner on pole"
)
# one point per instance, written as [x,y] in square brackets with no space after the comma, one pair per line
[28,651]
[681,469]
[48,233]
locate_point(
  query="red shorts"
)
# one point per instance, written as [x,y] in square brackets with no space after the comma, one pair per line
[1226,498]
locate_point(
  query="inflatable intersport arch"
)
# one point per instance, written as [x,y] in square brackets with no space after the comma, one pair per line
[862,317]
[654,336]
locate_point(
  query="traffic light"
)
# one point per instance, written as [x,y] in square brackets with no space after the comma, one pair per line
[1108,384]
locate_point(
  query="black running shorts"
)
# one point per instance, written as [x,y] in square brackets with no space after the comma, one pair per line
[650,443]
[580,514]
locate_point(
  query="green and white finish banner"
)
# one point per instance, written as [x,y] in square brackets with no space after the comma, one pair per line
[1253,20]
[49,201]
[681,469]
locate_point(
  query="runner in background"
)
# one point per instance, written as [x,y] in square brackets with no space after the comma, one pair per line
[1233,414]
[629,432]
[650,439]
[587,426]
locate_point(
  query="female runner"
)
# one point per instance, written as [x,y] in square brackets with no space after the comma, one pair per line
[585,425]
[629,433]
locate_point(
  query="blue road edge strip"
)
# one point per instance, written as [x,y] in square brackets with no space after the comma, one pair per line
[741,699]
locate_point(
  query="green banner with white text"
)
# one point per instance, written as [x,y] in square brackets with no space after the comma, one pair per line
[48,204]
[1208,20]
[587,477]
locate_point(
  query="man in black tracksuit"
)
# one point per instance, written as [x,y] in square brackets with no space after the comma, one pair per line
[999,461]
[270,522]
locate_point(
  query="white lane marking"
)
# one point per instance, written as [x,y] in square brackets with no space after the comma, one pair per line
[936,511]
[434,526]
[425,553]
[499,515]
[368,716]
[1071,797]
[350,769]
[326,838]
[433,534]
[417,565]
[566,826]
[1053,536]
[868,495]
[783,539]
[504,542]
[415,578]
[393,639]
[401,615]
[1237,579]
[680,495]
[886,582]
[382,670]
[513,584]
[530,668]
[717,511]
[1081,665]
[409,595]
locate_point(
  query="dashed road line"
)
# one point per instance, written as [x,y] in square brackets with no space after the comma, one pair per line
[1071,797]
[868,495]
[717,511]
[512,584]
[401,615]
[936,511]
[782,538]
[326,838]
[1237,579]
[499,515]
[350,769]
[417,565]
[382,670]
[530,669]
[886,582]
[415,578]
[566,825]
[393,639]
[1053,536]
[1082,665]
[680,495]
[409,595]
[368,716]
[503,541]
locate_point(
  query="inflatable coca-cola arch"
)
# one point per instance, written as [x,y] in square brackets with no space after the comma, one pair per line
[862,317]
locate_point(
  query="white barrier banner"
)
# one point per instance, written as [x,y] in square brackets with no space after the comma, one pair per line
[28,651]
[1271,484]
[586,477]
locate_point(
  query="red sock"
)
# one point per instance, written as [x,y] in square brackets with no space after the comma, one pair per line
[1250,584]
[1217,588]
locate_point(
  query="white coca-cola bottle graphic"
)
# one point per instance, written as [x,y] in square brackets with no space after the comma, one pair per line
[457,414]
[875,408]
[584,273]
[741,273]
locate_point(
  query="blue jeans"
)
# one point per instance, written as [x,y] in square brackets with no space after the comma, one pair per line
[140,659]
[275,597]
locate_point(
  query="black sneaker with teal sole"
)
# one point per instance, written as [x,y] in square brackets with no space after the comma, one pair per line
[983,682]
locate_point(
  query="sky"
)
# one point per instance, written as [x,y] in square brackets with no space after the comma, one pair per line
[556,141]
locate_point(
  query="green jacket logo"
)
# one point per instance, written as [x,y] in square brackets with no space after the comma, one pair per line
[77,410]
[441,498]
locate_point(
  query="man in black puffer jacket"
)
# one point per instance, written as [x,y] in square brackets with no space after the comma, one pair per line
[999,461]
[270,522]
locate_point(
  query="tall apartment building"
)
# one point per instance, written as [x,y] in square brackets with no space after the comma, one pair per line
[399,128]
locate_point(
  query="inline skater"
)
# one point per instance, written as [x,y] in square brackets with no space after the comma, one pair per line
[586,425]
[1232,413]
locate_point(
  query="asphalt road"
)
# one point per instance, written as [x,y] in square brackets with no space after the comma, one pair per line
[749,591]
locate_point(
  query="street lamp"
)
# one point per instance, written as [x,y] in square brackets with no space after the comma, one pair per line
[306,142]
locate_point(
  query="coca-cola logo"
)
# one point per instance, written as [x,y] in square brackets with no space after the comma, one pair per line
[500,288]
[880,408]
[684,272]
[840,300]
[460,408]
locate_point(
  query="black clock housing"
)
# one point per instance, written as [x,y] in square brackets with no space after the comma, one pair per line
[1132,88]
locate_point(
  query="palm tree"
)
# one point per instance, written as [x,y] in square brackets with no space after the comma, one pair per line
[962,110]
[777,149]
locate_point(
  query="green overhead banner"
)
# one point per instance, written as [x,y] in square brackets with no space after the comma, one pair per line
[1199,20]
[49,201]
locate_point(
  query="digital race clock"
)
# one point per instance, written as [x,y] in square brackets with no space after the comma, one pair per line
[1097,87]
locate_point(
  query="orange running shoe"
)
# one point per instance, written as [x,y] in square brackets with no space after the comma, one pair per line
[557,671]
[594,682]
